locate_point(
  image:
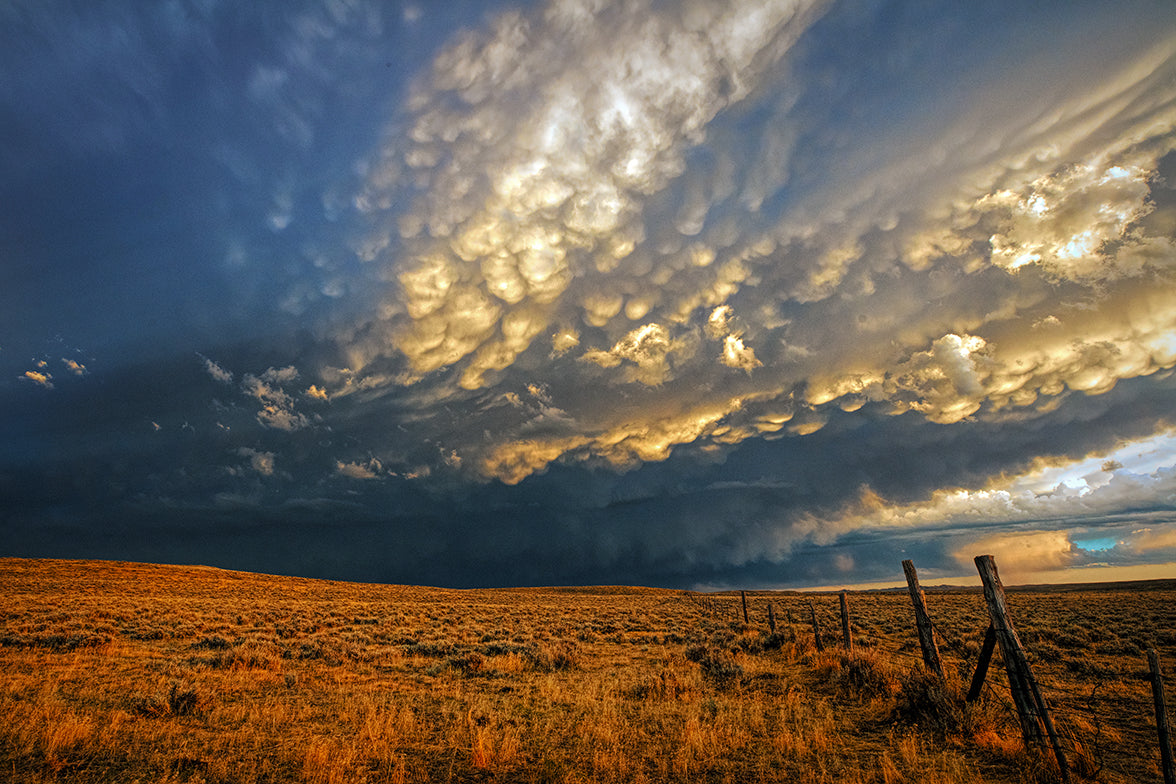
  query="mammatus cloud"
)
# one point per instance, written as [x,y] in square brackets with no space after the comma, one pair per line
[596,220]
[530,150]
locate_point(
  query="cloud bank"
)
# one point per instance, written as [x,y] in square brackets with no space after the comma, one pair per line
[698,293]
[598,219]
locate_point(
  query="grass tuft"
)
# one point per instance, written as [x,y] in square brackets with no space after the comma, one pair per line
[179,700]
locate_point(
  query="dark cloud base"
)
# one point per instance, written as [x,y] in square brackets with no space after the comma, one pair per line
[680,523]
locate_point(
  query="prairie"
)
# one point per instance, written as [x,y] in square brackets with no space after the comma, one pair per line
[113,672]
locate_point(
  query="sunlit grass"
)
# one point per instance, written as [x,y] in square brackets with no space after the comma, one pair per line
[123,672]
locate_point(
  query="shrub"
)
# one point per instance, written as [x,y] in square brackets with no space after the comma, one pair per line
[61,643]
[867,675]
[938,705]
[549,657]
[213,643]
[428,649]
[773,641]
[179,701]
[718,666]
[251,654]
[471,663]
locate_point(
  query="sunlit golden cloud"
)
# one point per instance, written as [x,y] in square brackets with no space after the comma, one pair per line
[369,470]
[536,215]
[624,445]
[38,378]
[1142,472]
[1021,553]
[539,176]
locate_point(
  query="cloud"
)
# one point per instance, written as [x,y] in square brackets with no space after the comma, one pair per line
[736,355]
[369,470]
[609,217]
[1149,539]
[625,445]
[701,290]
[1026,519]
[647,353]
[565,147]
[261,462]
[75,367]
[280,375]
[216,371]
[41,379]
[1020,553]
[277,410]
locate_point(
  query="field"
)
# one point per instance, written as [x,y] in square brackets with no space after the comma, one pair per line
[114,672]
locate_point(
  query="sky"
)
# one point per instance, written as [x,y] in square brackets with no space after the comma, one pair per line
[693,294]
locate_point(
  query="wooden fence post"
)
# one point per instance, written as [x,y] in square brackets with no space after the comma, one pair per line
[1031,708]
[1153,660]
[743,596]
[982,664]
[771,618]
[816,627]
[923,620]
[846,637]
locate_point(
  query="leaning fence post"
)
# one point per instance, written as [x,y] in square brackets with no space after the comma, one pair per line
[1031,708]
[1157,681]
[982,664]
[771,618]
[743,596]
[923,620]
[816,627]
[846,637]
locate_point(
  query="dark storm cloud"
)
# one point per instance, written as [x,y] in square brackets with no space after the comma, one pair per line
[692,293]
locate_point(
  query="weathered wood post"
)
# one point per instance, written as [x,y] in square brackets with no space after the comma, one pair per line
[1153,660]
[923,621]
[771,618]
[982,664]
[1031,708]
[816,627]
[743,596]
[846,637]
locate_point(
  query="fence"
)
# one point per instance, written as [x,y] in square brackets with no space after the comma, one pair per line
[1089,698]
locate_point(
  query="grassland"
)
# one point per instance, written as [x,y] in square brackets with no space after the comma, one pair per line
[114,672]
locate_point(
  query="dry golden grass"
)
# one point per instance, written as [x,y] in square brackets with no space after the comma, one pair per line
[129,672]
